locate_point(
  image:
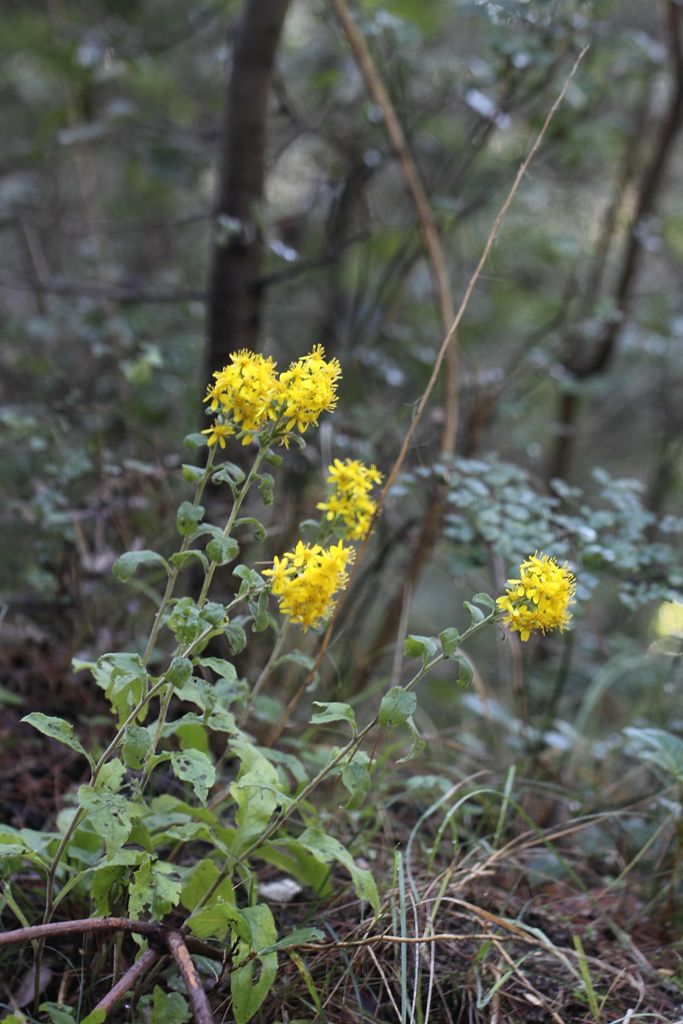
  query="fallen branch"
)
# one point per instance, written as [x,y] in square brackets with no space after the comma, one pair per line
[128,980]
[157,933]
[177,947]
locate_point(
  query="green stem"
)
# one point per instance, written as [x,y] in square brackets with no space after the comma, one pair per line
[265,672]
[78,816]
[237,504]
[350,749]
[175,572]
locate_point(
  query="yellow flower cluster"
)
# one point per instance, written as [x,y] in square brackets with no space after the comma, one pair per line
[540,598]
[306,580]
[349,501]
[248,393]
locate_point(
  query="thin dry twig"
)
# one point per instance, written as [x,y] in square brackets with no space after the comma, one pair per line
[426,395]
[177,947]
[155,932]
[128,980]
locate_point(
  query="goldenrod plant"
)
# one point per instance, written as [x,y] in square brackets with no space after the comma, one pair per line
[183,853]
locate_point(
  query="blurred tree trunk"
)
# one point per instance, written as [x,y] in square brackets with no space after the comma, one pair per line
[235,291]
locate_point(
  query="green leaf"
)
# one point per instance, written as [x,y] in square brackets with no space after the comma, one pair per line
[188,518]
[223,669]
[259,611]
[334,711]
[251,982]
[297,937]
[476,614]
[128,563]
[466,670]
[396,708]
[169,1008]
[659,747]
[58,1013]
[236,637]
[180,559]
[110,777]
[417,744]
[259,530]
[265,486]
[450,638]
[178,672]
[325,848]
[419,647]
[155,887]
[257,791]
[195,440]
[200,878]
[273,458]
[123,678]
[228,473]
[222,550]
[95,1017]
[216,920]
[192,473]
[356,779]
[56,729]
[110,814]
[486,600]
[194,767]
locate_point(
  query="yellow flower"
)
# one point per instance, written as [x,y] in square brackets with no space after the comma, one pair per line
[306,580]
[245,390]
[540,598]
[307,389]
[218,433]
[349,500]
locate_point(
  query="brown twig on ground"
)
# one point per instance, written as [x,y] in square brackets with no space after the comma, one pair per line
[128,980]
[155,932]
[426,395]
[177,947]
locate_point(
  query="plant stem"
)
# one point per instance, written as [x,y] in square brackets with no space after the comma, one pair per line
[265,672]
[349,750]
[175,572]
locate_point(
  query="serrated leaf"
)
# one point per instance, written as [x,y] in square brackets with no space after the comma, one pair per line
[396,708]
[128,563]
[155,887]
[110,814]
[194,767]
[188,518]
[222,550]
[217,919]
[257,791]
[449,638]
[334,711]
[57,729]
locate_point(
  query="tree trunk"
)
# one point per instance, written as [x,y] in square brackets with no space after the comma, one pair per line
[235,291]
